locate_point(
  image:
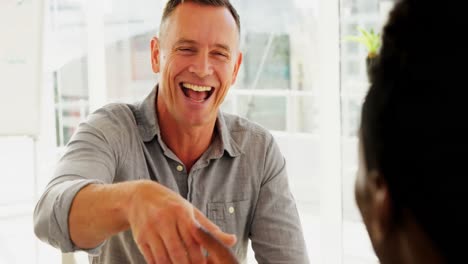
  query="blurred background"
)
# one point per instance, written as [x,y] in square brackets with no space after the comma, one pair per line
[300,78]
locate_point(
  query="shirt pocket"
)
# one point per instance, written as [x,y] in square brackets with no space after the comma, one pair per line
[231,217]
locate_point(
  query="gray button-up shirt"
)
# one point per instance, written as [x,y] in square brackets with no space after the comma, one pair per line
[239,183]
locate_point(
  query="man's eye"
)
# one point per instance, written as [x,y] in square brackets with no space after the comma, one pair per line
[220,54]
[186,49]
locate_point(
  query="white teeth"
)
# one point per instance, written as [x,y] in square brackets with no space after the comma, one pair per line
[197,88]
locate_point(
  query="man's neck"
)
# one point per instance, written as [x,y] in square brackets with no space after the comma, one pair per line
[187,142]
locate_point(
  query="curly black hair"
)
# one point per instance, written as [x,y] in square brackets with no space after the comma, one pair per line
[412,122]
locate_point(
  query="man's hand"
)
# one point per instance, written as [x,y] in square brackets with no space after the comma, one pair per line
[217,251]
[161,222]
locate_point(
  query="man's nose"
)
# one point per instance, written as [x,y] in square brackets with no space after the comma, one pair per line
[201,65]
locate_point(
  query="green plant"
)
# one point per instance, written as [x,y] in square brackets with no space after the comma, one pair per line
[370,39]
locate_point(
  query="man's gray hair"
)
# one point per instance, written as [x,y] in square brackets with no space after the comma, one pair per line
[172,4]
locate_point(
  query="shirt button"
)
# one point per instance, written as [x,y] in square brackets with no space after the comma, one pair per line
[180,168]
[231,210]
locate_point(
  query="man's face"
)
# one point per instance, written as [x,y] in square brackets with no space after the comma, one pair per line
[198,60]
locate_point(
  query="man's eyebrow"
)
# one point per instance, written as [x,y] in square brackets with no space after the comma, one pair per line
[224,47]
[183,41]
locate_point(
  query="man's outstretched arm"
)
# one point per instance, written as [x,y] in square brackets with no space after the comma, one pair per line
[160,220]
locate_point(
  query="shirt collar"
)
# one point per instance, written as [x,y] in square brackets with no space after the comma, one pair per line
[148,127]
[145,116]
[227,142]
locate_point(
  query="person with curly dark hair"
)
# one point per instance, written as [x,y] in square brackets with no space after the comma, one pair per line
[411,185]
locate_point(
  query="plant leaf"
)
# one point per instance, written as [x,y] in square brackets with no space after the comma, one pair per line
[369,38]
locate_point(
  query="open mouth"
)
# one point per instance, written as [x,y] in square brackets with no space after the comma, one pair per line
[197,93]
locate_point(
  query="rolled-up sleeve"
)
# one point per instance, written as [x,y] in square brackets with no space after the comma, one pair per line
[89,158]
[276,232]
[52,210]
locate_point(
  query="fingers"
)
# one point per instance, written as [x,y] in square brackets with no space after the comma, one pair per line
[147,254]
[159,252]
[154,251]
[193,248]
[174,245]
[225,238]
[182,247]
[217,251]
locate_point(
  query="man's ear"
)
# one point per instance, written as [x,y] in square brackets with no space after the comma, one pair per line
[236,67]
[155,52]
[380,206]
